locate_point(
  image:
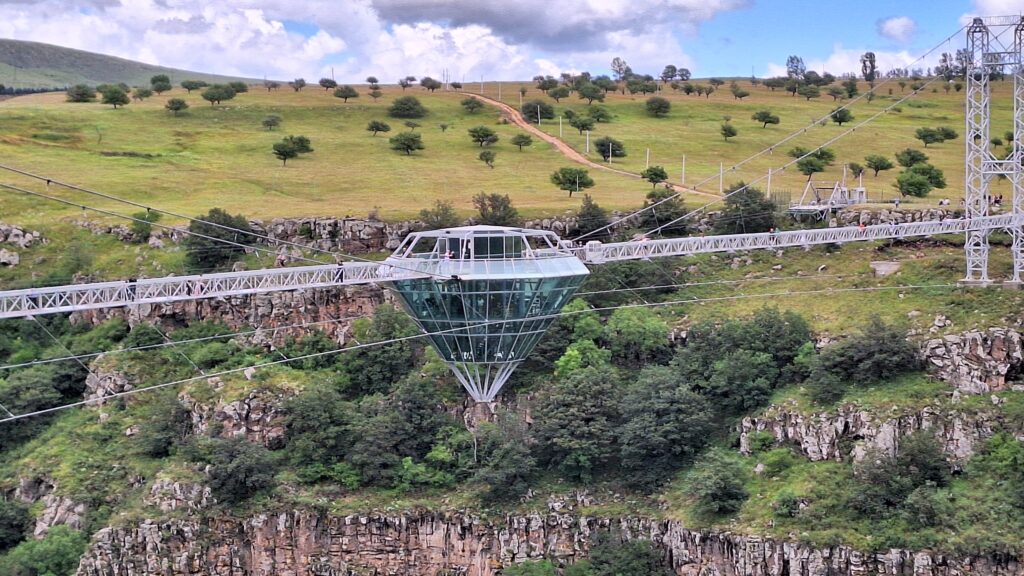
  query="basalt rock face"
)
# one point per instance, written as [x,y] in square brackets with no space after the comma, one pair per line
[976,362]
[850,431]
[301,543]
[278,315]
[853,217]
[259,417]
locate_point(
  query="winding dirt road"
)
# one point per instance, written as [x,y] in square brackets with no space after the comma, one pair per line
[568,151]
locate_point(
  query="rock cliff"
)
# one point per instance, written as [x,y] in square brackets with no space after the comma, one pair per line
[300,543]
[976,362]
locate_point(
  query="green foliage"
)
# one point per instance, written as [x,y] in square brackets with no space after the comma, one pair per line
[57,554]
[809,91]
[238,86]
[908,157]
[142,226]
[667,207]
[271,121]
[346,92]
[472,105]
[205,250]
[482,135]
[176,105]
[590,218]
[375,369]
[786,504]
[81,93]
[746,211]
[877,163]
[521,140]
[910,183]
[599,113]
[407,142]
[559,92]
[319,428]
[496,210]
[531,568]
[765,117]
[655,175]
[507,460]
[611,555]
[407,107]
[285,151]
[115,96]
[442,215]
[575,423]
[637,337]
[218,93]
[884,482]
[728,131]
[717,484]
[665,423]
[531,109]
[581,354]
[934,176]
[238,469]
[928,136]
[842,115]
[301,144]
[164,425]
[658,107]
[143,335]
[590,92]
[141,94]
[190,85]
[14,524]
[487,157]
[328,83]
[610,147]
[810,166]
[572,179]
[582,123]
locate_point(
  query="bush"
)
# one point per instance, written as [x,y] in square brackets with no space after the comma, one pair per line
[717,484]
[496,210]
[786,504]
[142,226]
[209,252]
[81,93]
[164,425]
[407,107]
[532,108]
[884,482]
[610,556]
[239,469]
[531,568]
[318,428]
[658,107]
[55,555]
[442,215]
[506,457]
[746,211]
[14,524]
[637,337]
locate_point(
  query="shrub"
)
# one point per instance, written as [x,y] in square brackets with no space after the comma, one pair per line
[717,484]
[407,107]
[142,226]
[786,504]
[239,469]
[611,556]
[165,423]
[14,524]
[208,252]
[55,555]
[507,461]
[496,210]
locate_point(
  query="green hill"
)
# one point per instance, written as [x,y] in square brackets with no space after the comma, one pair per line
[37,65]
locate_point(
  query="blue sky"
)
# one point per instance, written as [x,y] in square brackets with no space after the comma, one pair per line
[495,39]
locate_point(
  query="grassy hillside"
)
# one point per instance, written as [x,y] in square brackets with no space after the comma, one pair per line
[37,65]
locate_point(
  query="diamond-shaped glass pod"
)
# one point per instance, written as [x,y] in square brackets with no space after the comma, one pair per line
[495,292]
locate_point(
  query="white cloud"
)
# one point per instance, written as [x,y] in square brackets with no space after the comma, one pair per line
[847,60]
[898,28]
[360,37]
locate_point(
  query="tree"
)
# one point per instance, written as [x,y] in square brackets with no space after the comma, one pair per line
[946,133]
[809,166]
[533,108]
[619,68]
[160,83]
[443,126]
[407,107]
[190,85]
[217,240]
[375,370]
[746,211]
[56,554]
[728,131]
[142,226]
[375,93]
[668,207]
[346,92]
[934,175]
[637,337]
[407,142]
[270,122]
[655,175]
[328,84]
[599,113]
[928,136]
[372,80]
[14,523]
[669,73]
[590,218]
[239,469]
[609,147]
[217,93]
[908,157]
[301,143]
[472,105]
[575,422]
[841,115]
[141,94]
[795,68]
[376,126]
[271,85]
[613,555]
[559,92]
[115,96]
[591,92]
[239,87]
[582,123]
[298,84]
[507,458]
[496,210]
[482,135]
[81,93]
[868,67]
[176,105]
[487,157]
[665,423]
[285,151]
[166,423]
[836,93]
[412,126]
[572,179]
[765,117]
[717,484]
[877,163]
[430,84]
[521,140]
[809,91]
[442,215]
[658,107]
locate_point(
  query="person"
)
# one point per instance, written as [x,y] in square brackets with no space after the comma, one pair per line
[862,227]
[897,202]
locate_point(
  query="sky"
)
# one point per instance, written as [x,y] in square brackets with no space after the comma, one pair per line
[499,40]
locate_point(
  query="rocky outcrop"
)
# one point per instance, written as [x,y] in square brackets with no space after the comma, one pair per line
[277,315]
[18,236]
[851,430]
[976,362]
[9,258]
[168,496]
[59,511]
[104,380]
[259,417]
[300,542]
[853,217]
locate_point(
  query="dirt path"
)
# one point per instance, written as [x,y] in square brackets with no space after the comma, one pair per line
[568,151]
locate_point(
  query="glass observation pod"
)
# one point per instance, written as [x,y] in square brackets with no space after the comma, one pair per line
[494,292]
